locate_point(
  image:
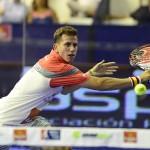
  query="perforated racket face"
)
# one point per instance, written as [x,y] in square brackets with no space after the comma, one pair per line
[140,57]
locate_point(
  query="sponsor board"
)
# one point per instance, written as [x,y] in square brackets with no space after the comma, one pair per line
[20,134]
[101,136]
[5,32]
[47,134]
[130,137]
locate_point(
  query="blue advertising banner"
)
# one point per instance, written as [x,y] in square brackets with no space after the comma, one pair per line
[112,43]
[84,107]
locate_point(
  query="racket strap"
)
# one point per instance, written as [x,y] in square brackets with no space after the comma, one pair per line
[135,80]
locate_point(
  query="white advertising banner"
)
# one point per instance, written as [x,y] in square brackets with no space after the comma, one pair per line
[83,137]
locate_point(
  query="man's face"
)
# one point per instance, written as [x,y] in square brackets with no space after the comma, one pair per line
[67,47]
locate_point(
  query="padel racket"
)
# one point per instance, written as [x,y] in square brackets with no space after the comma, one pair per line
[140,57]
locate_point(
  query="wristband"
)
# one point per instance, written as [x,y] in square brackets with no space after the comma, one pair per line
[135,80]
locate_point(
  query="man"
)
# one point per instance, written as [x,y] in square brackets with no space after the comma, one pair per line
[49,76]
[54,74]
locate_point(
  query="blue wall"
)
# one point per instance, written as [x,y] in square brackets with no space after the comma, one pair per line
[95,43]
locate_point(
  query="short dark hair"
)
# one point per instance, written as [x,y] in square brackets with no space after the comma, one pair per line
[68,30]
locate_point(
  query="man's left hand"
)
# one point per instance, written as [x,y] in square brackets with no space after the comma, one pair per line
[103,69]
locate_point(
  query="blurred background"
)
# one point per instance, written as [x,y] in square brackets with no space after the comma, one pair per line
[108,29]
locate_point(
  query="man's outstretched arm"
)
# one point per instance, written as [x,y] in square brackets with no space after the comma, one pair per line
[108,83]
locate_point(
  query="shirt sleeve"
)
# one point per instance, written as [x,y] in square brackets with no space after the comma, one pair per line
[70,80]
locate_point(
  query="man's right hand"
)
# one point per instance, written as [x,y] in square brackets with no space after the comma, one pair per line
[145,76]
